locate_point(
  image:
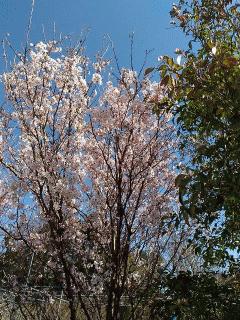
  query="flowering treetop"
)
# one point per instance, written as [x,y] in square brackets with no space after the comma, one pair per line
[87,169]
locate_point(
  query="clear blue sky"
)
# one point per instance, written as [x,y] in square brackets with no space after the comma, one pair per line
[148,19]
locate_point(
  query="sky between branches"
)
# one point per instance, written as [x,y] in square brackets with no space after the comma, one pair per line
[148,19]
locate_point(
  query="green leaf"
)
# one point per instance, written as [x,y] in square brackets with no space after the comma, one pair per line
[165,80]
[148,70]
[181,180]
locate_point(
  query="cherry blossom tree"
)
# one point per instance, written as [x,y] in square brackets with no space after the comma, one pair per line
[87,178]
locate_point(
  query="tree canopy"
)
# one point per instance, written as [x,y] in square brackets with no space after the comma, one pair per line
[204,94]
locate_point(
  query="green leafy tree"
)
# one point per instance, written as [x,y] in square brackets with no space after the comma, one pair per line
[204,94]
[200,296]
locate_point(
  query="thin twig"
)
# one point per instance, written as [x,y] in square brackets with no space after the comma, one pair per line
[29,26]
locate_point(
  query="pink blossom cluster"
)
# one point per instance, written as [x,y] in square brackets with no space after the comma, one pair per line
[89,182]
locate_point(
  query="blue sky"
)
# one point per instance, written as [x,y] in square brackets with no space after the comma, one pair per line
[148,19]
